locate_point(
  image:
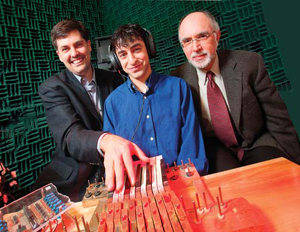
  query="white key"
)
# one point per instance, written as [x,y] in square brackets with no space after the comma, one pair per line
[132,189]
[154,182]
[144,181]
[160,185]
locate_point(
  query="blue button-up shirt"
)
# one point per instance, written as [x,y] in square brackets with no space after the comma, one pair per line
[161,121]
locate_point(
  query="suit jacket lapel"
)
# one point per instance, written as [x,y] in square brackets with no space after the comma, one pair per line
[233,85]
[191,77]
[82,94]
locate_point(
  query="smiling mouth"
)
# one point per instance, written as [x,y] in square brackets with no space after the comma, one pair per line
[77,61]
[136,68]
[199,56]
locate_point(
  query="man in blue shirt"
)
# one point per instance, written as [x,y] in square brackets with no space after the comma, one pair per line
[152,110]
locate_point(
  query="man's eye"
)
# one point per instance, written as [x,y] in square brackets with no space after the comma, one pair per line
[203,36]
[122,55]
[64,49]
[186,41]
[79,45]
[137,49]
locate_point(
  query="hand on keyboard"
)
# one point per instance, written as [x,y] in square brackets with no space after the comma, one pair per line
[118,158]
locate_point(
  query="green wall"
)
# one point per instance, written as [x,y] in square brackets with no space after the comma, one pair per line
[282,19]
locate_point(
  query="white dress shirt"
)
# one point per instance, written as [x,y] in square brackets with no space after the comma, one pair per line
[94,95]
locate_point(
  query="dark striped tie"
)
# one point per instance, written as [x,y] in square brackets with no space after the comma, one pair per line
[220,118]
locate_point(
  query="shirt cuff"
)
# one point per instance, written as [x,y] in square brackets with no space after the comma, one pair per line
[99,143]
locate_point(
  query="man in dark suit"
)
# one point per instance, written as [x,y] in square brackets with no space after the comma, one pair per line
[255,125]
[73,102]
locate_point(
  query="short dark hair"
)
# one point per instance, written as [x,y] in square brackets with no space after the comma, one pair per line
[127,33]
[64,27]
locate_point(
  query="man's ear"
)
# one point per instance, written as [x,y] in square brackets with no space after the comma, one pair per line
[57,52]
[218,35]
[89,45]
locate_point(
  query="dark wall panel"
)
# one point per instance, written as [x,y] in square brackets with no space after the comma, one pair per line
[27,58]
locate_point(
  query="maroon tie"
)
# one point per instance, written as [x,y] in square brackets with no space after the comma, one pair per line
[220,118]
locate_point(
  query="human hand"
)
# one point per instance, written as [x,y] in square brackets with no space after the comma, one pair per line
[117,157]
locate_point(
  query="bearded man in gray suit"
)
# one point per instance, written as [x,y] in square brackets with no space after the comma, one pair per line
[258,118]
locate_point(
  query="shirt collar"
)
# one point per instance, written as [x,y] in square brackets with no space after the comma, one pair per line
[151,82]
[215,69]
[79,78]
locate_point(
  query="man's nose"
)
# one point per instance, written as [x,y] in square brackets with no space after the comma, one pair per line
[131,58]
[196,45]
[74,52]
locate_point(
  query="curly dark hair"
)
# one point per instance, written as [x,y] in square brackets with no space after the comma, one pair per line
[125,34]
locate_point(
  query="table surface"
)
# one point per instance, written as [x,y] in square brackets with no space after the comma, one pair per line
[273,187]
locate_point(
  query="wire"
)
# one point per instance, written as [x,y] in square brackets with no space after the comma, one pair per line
[141,111]
[139,121]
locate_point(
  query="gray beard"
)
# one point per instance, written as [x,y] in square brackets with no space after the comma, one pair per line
[202,64]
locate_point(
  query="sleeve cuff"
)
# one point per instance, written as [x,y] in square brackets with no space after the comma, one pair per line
[99,143]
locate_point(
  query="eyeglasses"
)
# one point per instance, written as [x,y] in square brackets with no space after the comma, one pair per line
[187,42]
